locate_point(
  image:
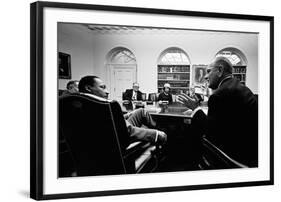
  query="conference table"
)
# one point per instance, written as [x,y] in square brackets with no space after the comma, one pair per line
[176,121]
[158,109]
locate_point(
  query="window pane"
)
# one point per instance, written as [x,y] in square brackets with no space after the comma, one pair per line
[123,57]
[232,57]
[174,56]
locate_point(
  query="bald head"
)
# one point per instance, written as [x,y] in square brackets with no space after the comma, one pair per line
[224,63]
[220,68]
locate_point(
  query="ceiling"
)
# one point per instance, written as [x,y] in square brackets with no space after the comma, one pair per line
[121,29]
[114,29]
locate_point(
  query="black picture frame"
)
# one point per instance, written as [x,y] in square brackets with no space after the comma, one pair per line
[37,98]
[64,65]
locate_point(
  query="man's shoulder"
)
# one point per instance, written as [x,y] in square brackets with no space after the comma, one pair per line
[128,91]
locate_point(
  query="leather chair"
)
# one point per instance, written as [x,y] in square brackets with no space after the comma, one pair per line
[214,158]
[152,97]
[123,95]
[94,139]
[61,92]
[143,96]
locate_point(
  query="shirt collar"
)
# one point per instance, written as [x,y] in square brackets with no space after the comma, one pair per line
[228,77]
[96,97]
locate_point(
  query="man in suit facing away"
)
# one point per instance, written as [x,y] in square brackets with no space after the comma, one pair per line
[232,120]
[134,93]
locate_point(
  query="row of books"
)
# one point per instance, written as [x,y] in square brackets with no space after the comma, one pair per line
[239,70]
[173,69]
[173,76]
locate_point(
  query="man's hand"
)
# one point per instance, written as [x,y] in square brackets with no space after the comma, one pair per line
[191,103]
[161,137]
[127,115]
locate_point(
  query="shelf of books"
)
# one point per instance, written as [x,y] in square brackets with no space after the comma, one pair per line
[178,76]
[239,72]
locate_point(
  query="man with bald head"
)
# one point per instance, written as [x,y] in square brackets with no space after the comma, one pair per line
[232,120]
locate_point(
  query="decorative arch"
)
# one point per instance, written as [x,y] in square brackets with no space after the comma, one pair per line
[121,68]
[235,56]
[173,67]
[121,55]
[174,56]
[238,61]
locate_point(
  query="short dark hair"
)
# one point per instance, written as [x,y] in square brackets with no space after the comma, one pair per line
[85,81]
[70,83]
[223,61]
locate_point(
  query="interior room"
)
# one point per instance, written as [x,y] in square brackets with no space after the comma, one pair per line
[154,57]
[93,47]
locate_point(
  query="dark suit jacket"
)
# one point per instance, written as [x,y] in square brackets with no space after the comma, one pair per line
[129,93]
[232,121]
[163,97]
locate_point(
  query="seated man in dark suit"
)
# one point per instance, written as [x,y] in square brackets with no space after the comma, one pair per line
[94,86]
[71,87]
[232,120]
[133,94]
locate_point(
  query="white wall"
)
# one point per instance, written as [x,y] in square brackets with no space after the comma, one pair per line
[79,45]
[201,48]
[15,103]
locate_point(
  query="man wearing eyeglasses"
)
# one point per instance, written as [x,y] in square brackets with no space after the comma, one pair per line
[232,120]
[134,93]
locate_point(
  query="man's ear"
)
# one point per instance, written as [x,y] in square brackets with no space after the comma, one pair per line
[220,70]
[88,88]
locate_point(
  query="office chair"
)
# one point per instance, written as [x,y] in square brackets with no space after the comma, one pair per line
[94,133]
[152,97]
[214,158]
[143,96]
[123,95]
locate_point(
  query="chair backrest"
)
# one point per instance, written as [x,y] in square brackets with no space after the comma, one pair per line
[61,92]
[96,134]
[152,97]
[123,95]
[143,96]
[215,158]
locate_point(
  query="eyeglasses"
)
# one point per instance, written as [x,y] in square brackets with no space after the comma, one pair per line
[212,68]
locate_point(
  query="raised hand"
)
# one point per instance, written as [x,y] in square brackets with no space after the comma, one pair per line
[191,103]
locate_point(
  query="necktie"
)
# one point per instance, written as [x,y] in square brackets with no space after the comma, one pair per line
[134,96]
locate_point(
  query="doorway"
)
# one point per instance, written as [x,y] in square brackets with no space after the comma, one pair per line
[122,71]
[122,78]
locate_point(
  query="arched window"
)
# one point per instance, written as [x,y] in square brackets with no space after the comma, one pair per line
[122,56]
[174,68]
[122,71]
[238,61]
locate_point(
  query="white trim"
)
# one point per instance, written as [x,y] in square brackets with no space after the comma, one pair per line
[54,185]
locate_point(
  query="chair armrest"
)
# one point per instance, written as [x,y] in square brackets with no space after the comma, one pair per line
[136,148]
[143,156]
[221,156]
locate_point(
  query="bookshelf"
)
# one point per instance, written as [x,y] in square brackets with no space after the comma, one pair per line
[178,76]
[239,72]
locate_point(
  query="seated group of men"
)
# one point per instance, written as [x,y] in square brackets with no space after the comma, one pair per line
[231,123]
[136,94]
[94,86]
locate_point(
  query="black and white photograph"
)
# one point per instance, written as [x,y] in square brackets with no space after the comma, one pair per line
[108,126]
[142,102]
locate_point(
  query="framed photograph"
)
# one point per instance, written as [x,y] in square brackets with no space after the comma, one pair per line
[200,72]
[64,66]
[80,143]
